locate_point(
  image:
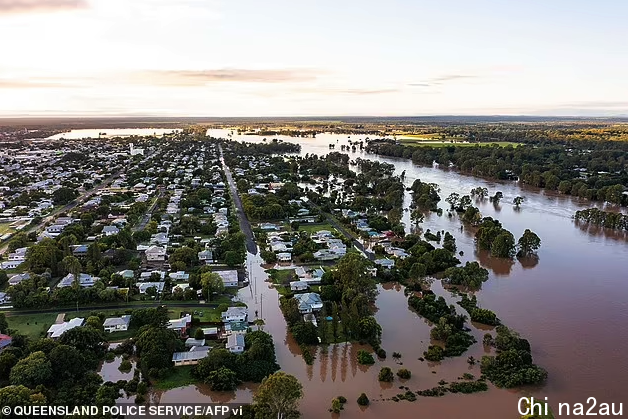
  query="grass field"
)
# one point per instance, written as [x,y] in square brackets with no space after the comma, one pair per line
[32,325]
[6,228]
[179,377]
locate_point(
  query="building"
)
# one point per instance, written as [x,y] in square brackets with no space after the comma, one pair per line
[155,254]
[299,286]
[229,278]
[309,302]
[110,230]
[235,343]
[17,278]
[234,314]
[284,257]
[117,324]
[85,280]
[179,276]
[206,255]
[385,263]
[190,342]
[181,325]
[144,286]
[56,330]
[191,357]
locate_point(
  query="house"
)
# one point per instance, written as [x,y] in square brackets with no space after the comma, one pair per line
[181,325]
[206,255]
[235,343]
[236,327]
[179,276]
[190,342]
[56,330]
[11,264]
[210,331]
[84,280]
[155,253]
[385,263]
[325,254]
[160,238]
[17,278]
[234,314]
[18,255]
[191,357]
[110,230]
[144,286]
[127,274]
[4,298]
[80,250]
[117,324]
[229,278]
[299,286]
[309,302]
[5,340]
[144,276]
[284,257]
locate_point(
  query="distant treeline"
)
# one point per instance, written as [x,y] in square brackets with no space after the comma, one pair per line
[596,170]
[614,220]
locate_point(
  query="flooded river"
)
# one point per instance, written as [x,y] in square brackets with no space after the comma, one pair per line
[572,304]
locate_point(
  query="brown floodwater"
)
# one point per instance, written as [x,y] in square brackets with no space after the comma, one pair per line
[571,303]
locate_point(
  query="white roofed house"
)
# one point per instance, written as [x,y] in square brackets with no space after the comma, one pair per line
[84,280]
[110,230]
[309,302]
[234,314]
[117,324]
[144,286]
[17,278]
[299,286]
[229,278]
[56,330]
[235,343]
[206,255]
[284,257]
[155,254]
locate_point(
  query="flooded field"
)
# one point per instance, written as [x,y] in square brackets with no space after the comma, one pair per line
[77,134]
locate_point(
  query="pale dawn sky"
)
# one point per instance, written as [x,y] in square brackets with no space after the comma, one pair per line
[323,58]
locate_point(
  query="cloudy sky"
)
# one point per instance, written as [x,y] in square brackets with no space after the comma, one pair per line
[323,57]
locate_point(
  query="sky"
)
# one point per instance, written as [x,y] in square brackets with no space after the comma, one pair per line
[313,58]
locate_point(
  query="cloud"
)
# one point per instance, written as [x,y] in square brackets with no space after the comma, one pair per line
[203,77]
[34,83]
[440,80]
[30,6]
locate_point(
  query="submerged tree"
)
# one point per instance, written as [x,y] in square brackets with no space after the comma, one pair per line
[528,244]
[279,394]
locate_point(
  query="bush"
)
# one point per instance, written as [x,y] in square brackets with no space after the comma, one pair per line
[396,355]
[198,334]
[342,399]
[110,356]
[386,375]
[363,400]
[381,353]
[434,353]
[336,406]
[365,358]
[139,399]
[125,366]
[404,373]
[142,387]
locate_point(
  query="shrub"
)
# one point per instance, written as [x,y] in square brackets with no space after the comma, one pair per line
[142,387]
[396,355]
[381,353]
[365,358]
[404,373]
[125,366]
[342,399]
[336,406]
[386,375]
[434,353]
[363,400]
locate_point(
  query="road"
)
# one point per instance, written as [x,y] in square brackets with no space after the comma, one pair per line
[245,225]
[149,212]
[79,200]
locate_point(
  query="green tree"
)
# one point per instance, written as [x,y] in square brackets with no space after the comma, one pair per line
[4,325]
[19,395]
[7,361]
[528,243]
[211,283]
[222,379]
[386,375]
[199,334]
[31,371]
[233,258]
[64,195]
[17,241]
[279,393]
[504,245]
[363,400]
[518,201]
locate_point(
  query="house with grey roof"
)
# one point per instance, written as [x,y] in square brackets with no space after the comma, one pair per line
[309,302]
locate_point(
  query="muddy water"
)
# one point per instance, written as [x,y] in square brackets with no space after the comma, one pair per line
[571,304]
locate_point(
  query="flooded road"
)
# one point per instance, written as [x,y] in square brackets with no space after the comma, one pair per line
[572,304]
